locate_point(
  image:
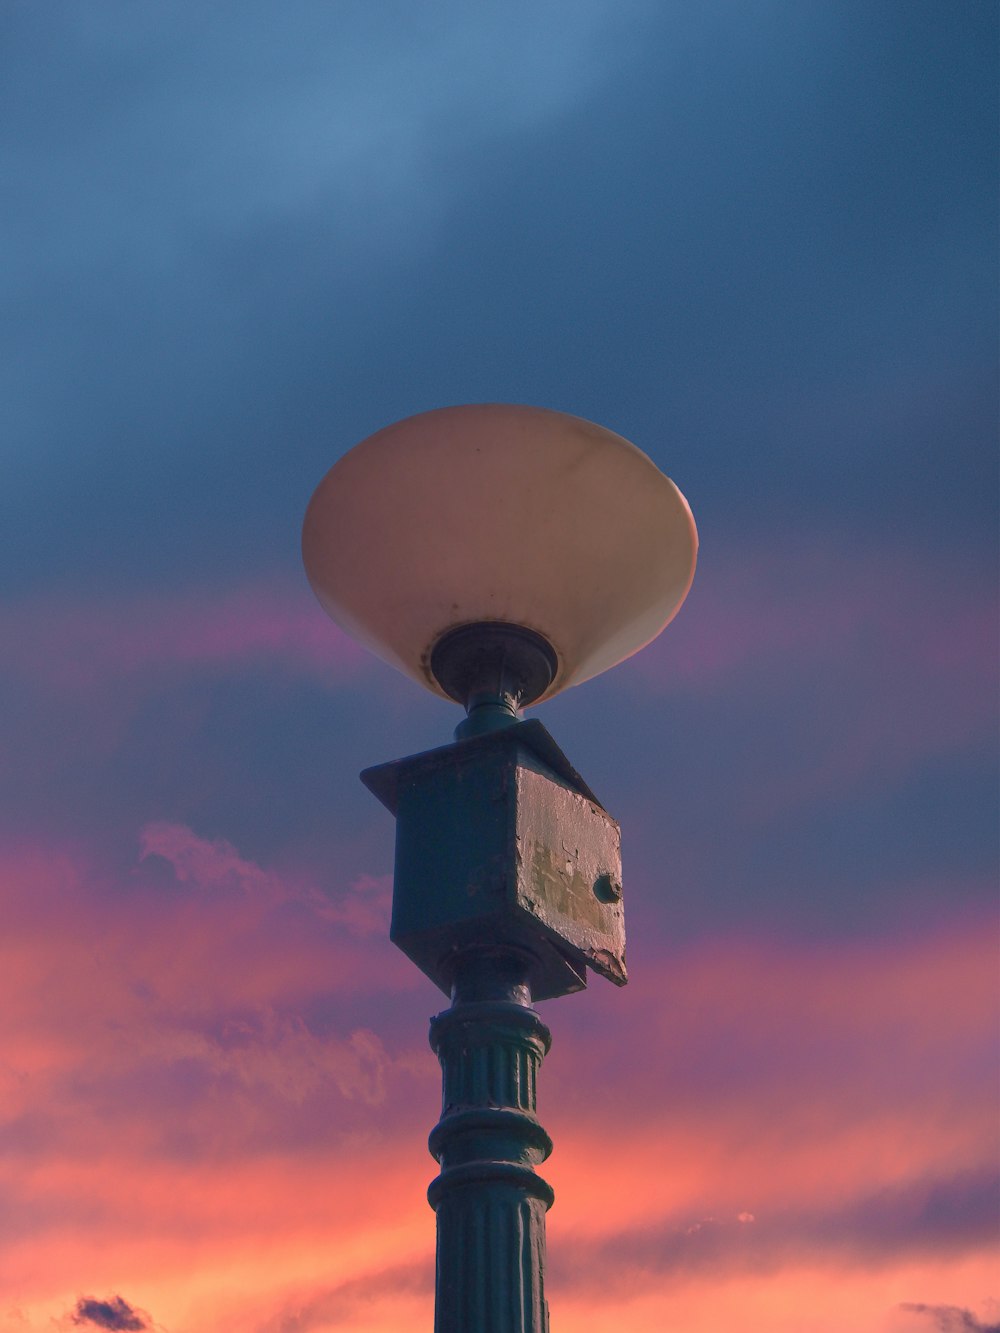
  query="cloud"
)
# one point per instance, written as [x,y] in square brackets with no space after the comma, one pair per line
[350,118]
[339,1306]
[210,864]
[891,1227]
[115,1314]
[763,616]
[215,865]
[194,1075]
[261,1052]
[209,1068]
[100,644]
[196,1011]
[866,663]
[767,1022]
[108,697]
[951,1318]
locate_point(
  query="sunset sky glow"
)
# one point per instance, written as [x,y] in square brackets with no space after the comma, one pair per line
[757,239]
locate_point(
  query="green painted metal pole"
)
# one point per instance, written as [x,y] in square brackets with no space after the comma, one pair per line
[490,1204]
[507,886]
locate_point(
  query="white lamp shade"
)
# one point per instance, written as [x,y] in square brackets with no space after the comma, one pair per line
[493,512]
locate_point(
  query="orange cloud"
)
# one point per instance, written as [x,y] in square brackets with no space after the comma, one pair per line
[217,1094]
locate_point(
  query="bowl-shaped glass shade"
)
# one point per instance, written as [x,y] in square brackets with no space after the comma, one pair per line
[493,512]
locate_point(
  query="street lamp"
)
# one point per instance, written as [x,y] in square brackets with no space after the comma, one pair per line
[497,555]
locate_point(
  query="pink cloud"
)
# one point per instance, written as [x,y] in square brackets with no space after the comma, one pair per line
[80,646]
[215,865]
[217,1092]
[783,608]
[745,1021]
[208,863]
[866,662]
[116,985]
[756,615]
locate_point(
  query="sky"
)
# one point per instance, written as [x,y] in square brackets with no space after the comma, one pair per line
[760,241]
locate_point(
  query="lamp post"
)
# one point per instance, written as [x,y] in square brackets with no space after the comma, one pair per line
[497,555]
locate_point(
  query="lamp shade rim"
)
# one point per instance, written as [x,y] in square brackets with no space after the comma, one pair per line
[503,513]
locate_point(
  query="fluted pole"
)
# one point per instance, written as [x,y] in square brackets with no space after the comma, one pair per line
[490,1204]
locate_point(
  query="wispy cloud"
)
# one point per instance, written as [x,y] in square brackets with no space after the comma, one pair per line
[102,643]
[867,661]
[340,1306]
[891,1226]
[215,865]
[350,121]
[951,1318]
[762,614]
[230,1057]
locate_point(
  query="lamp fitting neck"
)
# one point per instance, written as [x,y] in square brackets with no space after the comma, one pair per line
[493,668]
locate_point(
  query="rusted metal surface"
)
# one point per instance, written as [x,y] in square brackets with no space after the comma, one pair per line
[568,857]
[499,840]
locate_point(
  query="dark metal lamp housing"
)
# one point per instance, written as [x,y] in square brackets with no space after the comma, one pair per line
[498,838]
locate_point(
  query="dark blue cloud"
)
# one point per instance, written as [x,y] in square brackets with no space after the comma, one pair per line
[115,1314]
[760,243]
[951,1318]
